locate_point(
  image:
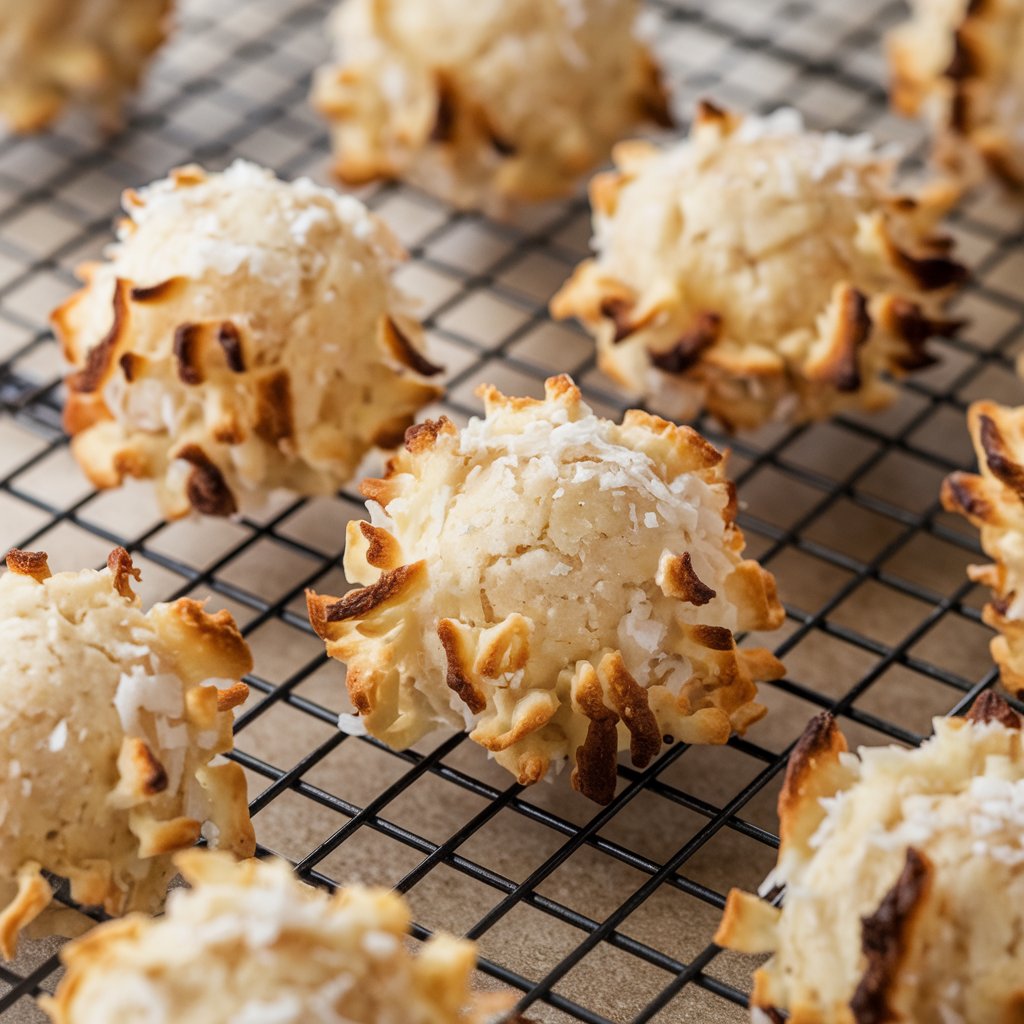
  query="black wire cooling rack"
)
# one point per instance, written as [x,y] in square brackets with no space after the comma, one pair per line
[594,914]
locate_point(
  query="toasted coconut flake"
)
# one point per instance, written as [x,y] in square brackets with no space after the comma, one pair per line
[131,366]
[232,696]
[715,638]
[418,438]
[99,358]
[814,772]
[679,580]
[618,312]
[274,407]
[457,675]
[594,774]
[436,101]
[686,351]
[930,273]
[990,707]
[33,896]
[749,924]
[406,352]
[839,365]
[844,297]
[187,338]
[886,937]
[521,622]
[123,571]
[447,111]
[142,775]
[29,563]
[907,877]
[207,489]
[629,700]
[156,292]
[230,340]
[382,551]
[391,586]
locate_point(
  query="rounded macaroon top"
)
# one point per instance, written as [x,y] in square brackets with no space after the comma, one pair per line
[904,876]
[285,233]
[244,334]
[488,103]
[133,706]
[774,200]
[760,269]
[543,570]
[249,941]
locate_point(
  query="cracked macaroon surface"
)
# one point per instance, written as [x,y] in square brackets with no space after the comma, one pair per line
[251,944]
[761,271]
[560,585]
[489,103]
[91,52]
[960,65]
[244,334]
[904,880]
[110,720]
[993,501]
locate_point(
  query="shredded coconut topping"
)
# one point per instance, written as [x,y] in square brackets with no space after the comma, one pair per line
[250,944]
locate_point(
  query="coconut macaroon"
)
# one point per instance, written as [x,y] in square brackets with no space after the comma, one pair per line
[761,271]
[110,720]
[562,586]
[904,880]
[485,104]
[994,502]
[960,64]
[91,52]
[249,942]
[245,334]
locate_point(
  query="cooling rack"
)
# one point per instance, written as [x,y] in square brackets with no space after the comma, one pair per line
[593,914]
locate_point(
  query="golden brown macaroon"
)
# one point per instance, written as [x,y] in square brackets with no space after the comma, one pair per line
[960,65]
[561,586]
[89,52]
[761,271]
[994,502]
[245,334]
[489,103]
[904,880]
[111,720]
[250,942]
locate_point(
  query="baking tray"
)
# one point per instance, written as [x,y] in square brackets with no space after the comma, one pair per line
[593,914]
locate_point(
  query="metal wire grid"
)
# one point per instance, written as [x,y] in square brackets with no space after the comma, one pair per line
[882,629]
